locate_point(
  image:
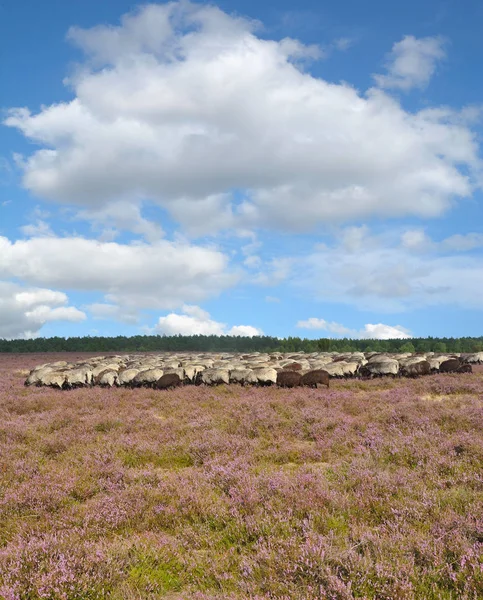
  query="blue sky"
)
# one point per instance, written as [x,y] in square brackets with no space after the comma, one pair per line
[306,168]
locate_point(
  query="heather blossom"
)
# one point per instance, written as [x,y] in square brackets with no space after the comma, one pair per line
[372,489]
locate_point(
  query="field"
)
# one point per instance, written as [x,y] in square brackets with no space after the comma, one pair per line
[371,489]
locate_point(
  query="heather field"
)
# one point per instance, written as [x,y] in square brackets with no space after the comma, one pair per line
[371,489]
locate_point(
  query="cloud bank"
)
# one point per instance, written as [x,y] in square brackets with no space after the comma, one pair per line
[161,275]
[377,331]
[196,321]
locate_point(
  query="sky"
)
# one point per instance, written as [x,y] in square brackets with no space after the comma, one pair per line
[307,169]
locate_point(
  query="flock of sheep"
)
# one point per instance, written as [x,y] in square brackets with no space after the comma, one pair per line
[167,370]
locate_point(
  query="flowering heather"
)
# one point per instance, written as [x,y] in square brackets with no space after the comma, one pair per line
[371,489]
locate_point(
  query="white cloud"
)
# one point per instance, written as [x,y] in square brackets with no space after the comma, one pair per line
[100,310]
[414,239]
[253,261]
[272,299]
[160,275]
[24,311]
[182,104]
[463,243]
[343,43]
[384,332]
[274,272]
[245,331]
[391,273]
[315,323]
[37,296]
[196,321]
[174,324]
[417,240]
[196,312]
[45,314]
[377,331]
[122,215]
[38,229]
[412,62]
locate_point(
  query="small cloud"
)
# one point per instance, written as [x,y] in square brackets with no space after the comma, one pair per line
[196,312]
[245,331]
[343,43]
[415,239]
[272,299]
[384,332]
[104,311]
[462,243]
[314,323]
[6,172]
[252,261]
[278,269]
[121,216]
[39,229]
[412,62]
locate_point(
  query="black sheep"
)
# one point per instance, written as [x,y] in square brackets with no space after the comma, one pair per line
[416,369]
[450,366]
[288,379]
[169,380]
[316,378]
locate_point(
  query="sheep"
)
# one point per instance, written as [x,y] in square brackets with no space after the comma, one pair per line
[168,380]
[243,376]
[476,357]
[108,378]
[315,378]
[293,366]
[349,369]
[387,366]
[288,378]
[147,378]
[266,376]
[334,369]
[416,369]
[450,366]
[126,376]
[191,371]
[78,378]
[103,366]
[36,375]
[53,379]
[213,377]
[466,368]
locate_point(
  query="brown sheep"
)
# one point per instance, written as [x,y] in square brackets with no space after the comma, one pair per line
[450,366]
[169,380]
[288,379]
[465,369]
[316,378]
[416,369]
[294,366]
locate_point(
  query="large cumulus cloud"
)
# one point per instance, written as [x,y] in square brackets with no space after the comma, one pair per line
[185,105]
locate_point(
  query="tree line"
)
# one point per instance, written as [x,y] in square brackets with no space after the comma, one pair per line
[226,343]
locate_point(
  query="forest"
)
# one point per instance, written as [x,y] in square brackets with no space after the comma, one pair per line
[226,343]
